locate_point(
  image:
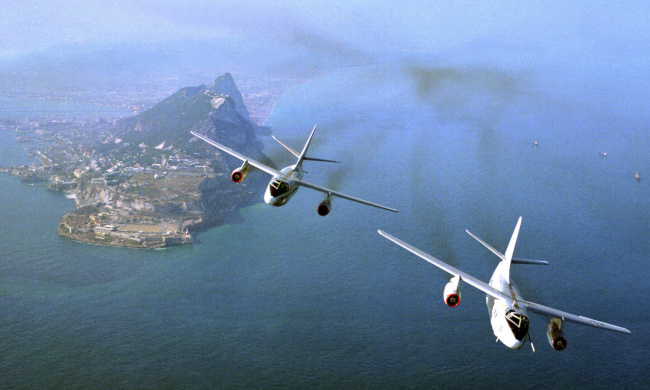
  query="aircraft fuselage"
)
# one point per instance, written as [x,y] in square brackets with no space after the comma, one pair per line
[282,187]
[509,322]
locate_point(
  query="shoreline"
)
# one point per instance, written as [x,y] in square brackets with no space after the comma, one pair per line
[87,225]
[151,197]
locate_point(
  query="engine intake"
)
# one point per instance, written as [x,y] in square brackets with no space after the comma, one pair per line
[555,335]
[325,206]
[451,293]
[240,173]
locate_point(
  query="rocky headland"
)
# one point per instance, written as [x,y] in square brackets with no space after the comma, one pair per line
[145,181]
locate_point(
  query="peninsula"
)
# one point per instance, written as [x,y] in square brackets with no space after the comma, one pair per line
[145,181]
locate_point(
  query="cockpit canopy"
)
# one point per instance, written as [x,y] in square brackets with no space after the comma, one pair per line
[278,188]
[518,323]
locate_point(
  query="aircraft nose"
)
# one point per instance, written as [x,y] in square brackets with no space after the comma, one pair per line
[270,200]
[517,344]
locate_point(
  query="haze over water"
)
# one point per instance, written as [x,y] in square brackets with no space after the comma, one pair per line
[431,110]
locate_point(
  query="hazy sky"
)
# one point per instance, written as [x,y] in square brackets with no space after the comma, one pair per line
[346,26]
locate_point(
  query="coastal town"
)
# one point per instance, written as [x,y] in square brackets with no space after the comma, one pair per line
[142,222]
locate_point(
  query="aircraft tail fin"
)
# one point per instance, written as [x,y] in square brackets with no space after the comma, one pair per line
[302,156]
[511,249]
[507,257]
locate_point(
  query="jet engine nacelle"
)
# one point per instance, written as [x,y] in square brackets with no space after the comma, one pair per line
[240,173]
[555,335]
[325,206]
[451,294]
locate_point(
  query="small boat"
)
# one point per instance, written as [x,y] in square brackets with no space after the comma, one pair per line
[602,154]
[637,176]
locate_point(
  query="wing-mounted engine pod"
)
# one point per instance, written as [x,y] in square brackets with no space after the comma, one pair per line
[451,294]
[325,206]
[555,335]
[240,173]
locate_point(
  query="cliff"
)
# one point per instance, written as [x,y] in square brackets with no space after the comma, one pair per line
[220,107]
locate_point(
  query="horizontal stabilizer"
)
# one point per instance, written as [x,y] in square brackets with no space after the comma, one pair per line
[485,244]
[321,159]
[529,261]
[287,147]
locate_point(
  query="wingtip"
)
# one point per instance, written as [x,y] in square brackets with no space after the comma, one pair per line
[621,329]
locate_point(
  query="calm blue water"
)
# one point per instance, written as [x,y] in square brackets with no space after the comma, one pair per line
[287,299]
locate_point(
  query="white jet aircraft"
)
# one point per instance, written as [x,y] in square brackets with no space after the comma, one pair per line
[286,182]
[508,310]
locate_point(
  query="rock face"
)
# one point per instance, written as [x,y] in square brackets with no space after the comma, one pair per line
[217,111]
[225,85]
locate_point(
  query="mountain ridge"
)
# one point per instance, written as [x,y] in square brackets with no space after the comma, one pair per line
[218,111]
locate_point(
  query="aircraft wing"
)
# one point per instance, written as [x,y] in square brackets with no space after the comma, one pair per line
[550,312]
[256,164]
[341,195]
[472,281]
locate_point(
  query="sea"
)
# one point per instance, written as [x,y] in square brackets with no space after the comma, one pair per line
[284,298]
